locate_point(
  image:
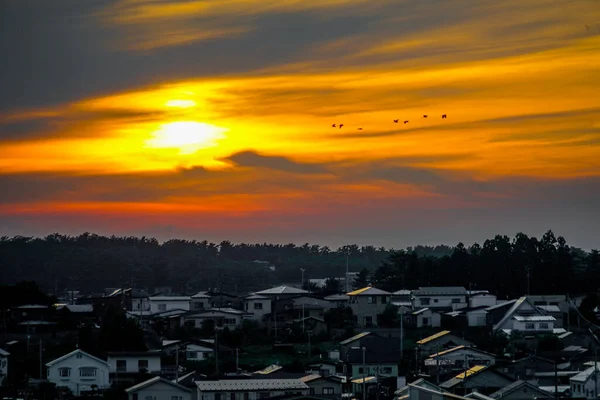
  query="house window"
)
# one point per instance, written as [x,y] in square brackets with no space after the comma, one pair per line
[372,300]
[199,306]
[246,306]
[87,372]
[530,326]
[262,395]
[64,372]
[328,390]
[258,306]
[192,354]
[425,321]
[162,307]
[455,301]
[386,370]
[360,370]
[142,364]
[368,321]
[229,321]
[79,356]
[121,365]
[435,300]
[425,301]
[311,391]
[383,300]
[246,396]
[217,396]
[544,325]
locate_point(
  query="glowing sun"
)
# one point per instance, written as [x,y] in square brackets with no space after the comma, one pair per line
[188,137]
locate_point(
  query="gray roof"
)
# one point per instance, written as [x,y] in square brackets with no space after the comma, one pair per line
[337,297]
[440,291]
[76,308]
[170,298]
[502,304]
[534,318]
[282,290]
[201,295]
[478,396]
[250,385]
[509,314]
[583,376]
[154,380]
[254,296]
[4,353]
[549,308]
[516,385]
[77,351]
[402,292]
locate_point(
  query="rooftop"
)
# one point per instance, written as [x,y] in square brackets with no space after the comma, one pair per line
[154,380]
[369,291]
[440,291]
[433,337]
[516,385]
[584,375]
[282,290]
[170,298]
[355,337]
[534,318]
[250,385]
[463,347]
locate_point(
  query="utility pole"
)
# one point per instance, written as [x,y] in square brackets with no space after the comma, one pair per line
[555,380]
[402,334]
[41,357]
[595,373]
[217,352]
[302,317]
[347,274]
[364,394]
[309,345]
[176,363]
[237,363]
[466,368]
[437,359]
[528,281]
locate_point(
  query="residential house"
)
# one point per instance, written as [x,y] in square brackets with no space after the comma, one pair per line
[426,318]
[249,389]
[441,340]
[220,299]
[221,317]
[282,292]
[200,301]
[78,371]
[324,369]
[554,311]
[495,313]
[140,300]
[158,388]
[454,359]
[403,391]
[168,303]
[323,385]
[134,362]
[71,316]
[440,298]
[526,368]
[402,298]
[338,300]
[3,365]
[521,390]
[257,306]
[196,352]
[476,316]
[354,341]
[366,304]
[477,378]
[482,299]
[316,326]
[322,304]
[585,384]
[576,339]
[189,381]
[424,392]
[524,317]
[381,357]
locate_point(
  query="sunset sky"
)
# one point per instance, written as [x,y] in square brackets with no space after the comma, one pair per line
[212,119]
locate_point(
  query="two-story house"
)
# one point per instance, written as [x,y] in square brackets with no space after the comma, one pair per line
[221,317]
[125,364]
[257,306]
[440,341]
[525,317]
[3,366]
[453,359]
[440,298]
[338,300]
[319,385]
[585,384]
[366,304]
[158,388]
[78,371]
[200,301]
[380,358]
[167,303]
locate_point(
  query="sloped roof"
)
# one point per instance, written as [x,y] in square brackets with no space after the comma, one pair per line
[282,290]
[369,291]
[453,349]
[433,337]
[250,385]
[201,295]
[76,308]
[402,292]
[76,351]
[478,396]
[440,291]
[254,296]
[170,298]
[269,370]
[336,297]
[154,380]
[4,353]
[450,383]
[420,383]
[518,385]
[355,337]
[500,305]
[310,378]
[510,313]
[584,375]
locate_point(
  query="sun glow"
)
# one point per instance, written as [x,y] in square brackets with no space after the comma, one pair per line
[188,137]
[180,103]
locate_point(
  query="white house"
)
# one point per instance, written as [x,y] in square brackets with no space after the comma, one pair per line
[366,304]
[200,301]
[249,389]
[455,357]
[3,365]
[158,388]
[584,383]
[525,317]
[425,317]
[221,317]
[258,306]
[482,299]
[195,352]
[167,303]
[78,371]
[448,298]
[134,362]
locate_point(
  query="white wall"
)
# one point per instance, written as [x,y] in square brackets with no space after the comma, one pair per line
[161,391]
[252,395]
[75,382]
[477,318]
[480,300]
[586,389]
[433,319]
[520,326]
[201,352]
[257,313]
[231,321]
[132,362]
[441,301]
[159,304]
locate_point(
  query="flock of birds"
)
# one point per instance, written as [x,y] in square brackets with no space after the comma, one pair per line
[396,121]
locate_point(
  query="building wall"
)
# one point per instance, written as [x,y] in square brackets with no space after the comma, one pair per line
[202,303]
[316,387]
[537,326]
[371,370]
[231,321]
[3,369]
[140,304]
[440,301]
[473,358]
[258,311]
[193,352]
[480,300]
[362,308]
[477,318]
[158,305]
[154,364]
[242,395]
[160,391]
[75,382]
[523,393]
[429,319]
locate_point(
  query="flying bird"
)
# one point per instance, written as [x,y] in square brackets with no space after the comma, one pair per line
[406,122]
[396,121]
[443,116]
[360,129]
[424,115]
[341,126]
[333,126]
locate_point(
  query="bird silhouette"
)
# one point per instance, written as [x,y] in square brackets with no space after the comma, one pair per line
[443,116]
[333,126]
[406,122]
[396,121]
[341,126]
[424,115]
[360,129]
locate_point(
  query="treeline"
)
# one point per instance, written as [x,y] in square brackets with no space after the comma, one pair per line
[90,262]
[507,267]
